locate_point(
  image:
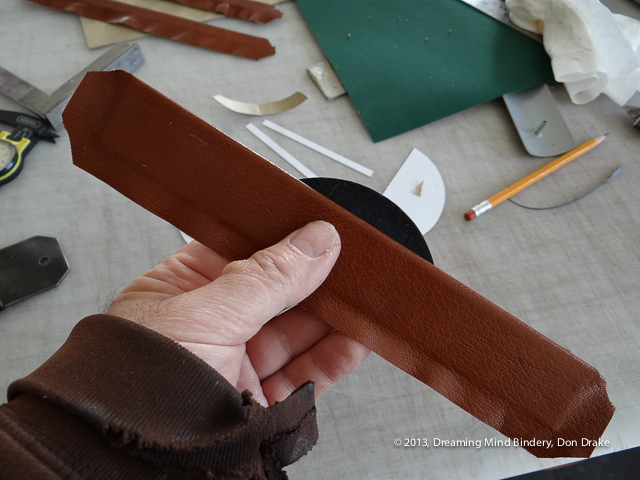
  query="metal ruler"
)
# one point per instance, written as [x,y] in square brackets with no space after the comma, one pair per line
[496,9]
[122,56]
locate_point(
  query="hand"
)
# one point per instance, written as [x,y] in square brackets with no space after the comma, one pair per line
[228,313]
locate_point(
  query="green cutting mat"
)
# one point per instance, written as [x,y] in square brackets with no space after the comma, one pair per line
[406,63]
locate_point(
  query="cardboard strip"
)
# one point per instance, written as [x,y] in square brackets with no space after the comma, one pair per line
[405,309]
[269,108]
[290,159]
[244,9]
[167,26]
[318,148]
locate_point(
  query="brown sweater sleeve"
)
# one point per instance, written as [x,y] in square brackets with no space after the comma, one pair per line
[120,401]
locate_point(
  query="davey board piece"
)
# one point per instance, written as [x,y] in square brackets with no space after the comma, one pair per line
[411,62]
[402,307]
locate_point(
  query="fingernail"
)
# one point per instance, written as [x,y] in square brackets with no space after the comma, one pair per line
[314,239]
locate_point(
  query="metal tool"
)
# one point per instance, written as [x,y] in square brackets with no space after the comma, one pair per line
[123,56]
[30,267]
[540,125]
[632,107]
[15,146]
[498,10]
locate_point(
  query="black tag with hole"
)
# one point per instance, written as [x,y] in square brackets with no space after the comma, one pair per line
[30,267]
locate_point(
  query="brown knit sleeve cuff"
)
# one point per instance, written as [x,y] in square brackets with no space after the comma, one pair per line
[155,399]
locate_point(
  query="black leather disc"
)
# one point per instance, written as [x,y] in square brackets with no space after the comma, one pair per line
[375,209]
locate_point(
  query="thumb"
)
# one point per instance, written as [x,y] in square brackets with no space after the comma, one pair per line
[250,292]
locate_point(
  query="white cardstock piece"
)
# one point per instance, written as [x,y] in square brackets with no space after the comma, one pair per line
[186,237]
[293,161]
[318,148]
[424,209]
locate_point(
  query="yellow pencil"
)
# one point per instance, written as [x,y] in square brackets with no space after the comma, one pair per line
[533,178]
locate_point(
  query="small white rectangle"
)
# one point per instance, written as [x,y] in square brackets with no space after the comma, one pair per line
[318,148]
[294,162]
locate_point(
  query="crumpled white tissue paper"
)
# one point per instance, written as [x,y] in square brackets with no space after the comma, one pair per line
[592,50]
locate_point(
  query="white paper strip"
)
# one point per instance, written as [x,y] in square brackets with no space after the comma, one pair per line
[318,148]
[186,237]
[294,162]
[418,189]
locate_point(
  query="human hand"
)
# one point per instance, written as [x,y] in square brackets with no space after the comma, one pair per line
[224,313]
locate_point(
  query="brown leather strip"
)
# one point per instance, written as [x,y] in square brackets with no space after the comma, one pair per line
[167,26]
[408,311]
[244,9]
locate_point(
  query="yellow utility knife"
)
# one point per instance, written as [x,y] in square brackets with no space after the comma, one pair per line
[15,146]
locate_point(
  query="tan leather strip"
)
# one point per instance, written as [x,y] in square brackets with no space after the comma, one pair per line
[408,311]
[167,26]
[244,9]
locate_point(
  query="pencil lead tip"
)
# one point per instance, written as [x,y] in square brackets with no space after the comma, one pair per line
[606,134]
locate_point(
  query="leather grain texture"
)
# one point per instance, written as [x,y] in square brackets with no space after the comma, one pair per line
[245,9]
[408,311]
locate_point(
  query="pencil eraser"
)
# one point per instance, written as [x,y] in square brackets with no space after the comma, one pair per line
[469,215]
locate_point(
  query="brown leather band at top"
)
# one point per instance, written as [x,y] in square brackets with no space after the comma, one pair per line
[167,26]
[405,309]
[244,9]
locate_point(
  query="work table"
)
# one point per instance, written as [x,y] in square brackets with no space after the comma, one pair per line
[570,273]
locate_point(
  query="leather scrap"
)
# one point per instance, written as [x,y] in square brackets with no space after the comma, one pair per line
[244,9]
[408,311]
[167,26]
[98,34]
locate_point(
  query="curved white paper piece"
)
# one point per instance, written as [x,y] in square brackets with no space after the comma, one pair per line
[418,189]
[262,108]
